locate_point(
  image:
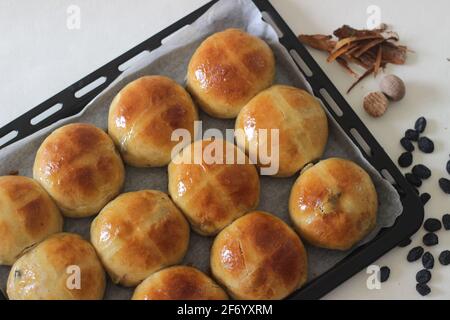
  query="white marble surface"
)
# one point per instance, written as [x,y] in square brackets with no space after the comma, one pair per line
[40,56]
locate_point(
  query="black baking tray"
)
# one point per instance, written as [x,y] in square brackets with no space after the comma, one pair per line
[407,223]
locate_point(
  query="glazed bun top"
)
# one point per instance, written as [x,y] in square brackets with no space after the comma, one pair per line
[210,192]
[334,204]
[80,168]
[62,267]
[143,116]
[227,70]
[139,233]
[27,216]
[179,283]
[301,122]
[258,257]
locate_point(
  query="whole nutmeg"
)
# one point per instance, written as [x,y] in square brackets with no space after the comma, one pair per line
[375,104]
[393,87]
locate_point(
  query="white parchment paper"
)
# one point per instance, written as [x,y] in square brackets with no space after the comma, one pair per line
[171,59]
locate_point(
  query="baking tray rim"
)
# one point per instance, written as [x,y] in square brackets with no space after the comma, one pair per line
[406,224]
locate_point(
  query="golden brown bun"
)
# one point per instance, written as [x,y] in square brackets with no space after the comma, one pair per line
[258,257]
[47,271]
[143,116]
[334,204]
[139,233]
[179,283]
[227,70]
[80,168]
[212,195]
[27,216]
[302,124]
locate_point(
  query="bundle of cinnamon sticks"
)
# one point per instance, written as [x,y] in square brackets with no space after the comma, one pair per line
[370,49]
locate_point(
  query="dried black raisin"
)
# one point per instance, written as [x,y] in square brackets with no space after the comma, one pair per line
[415,254]
[445,185]
[420,124]
[432,225]
[430,239]
[421,171]
[428,260]
[423,289]
[426,145]
[444,258]
[407,145]
[423,276]
[404,243]
[448,167]
[405,159]
[412,135]
[412,179]
[446,221]
[425,197]
[385,272]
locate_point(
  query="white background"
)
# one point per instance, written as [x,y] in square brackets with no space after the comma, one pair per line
[39,56]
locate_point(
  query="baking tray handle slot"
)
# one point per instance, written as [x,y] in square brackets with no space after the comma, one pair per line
[388,176]
[267,18]
[301,63]
[8,137]
[90,87]
[361,142]
[326,97]
[47,113]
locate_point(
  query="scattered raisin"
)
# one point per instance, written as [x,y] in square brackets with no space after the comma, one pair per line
[423,289]
[415,254]
[432,225]
[445,185]
[428,260]
[405,159]
[444,258]
[412,135]
[404,243]
[385,272]
[420,124]
[412,179]
[17,274]
[421,171]
[425,197]
[423,276]
[430,239]
[426,145]
[446,221]
[407,145]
